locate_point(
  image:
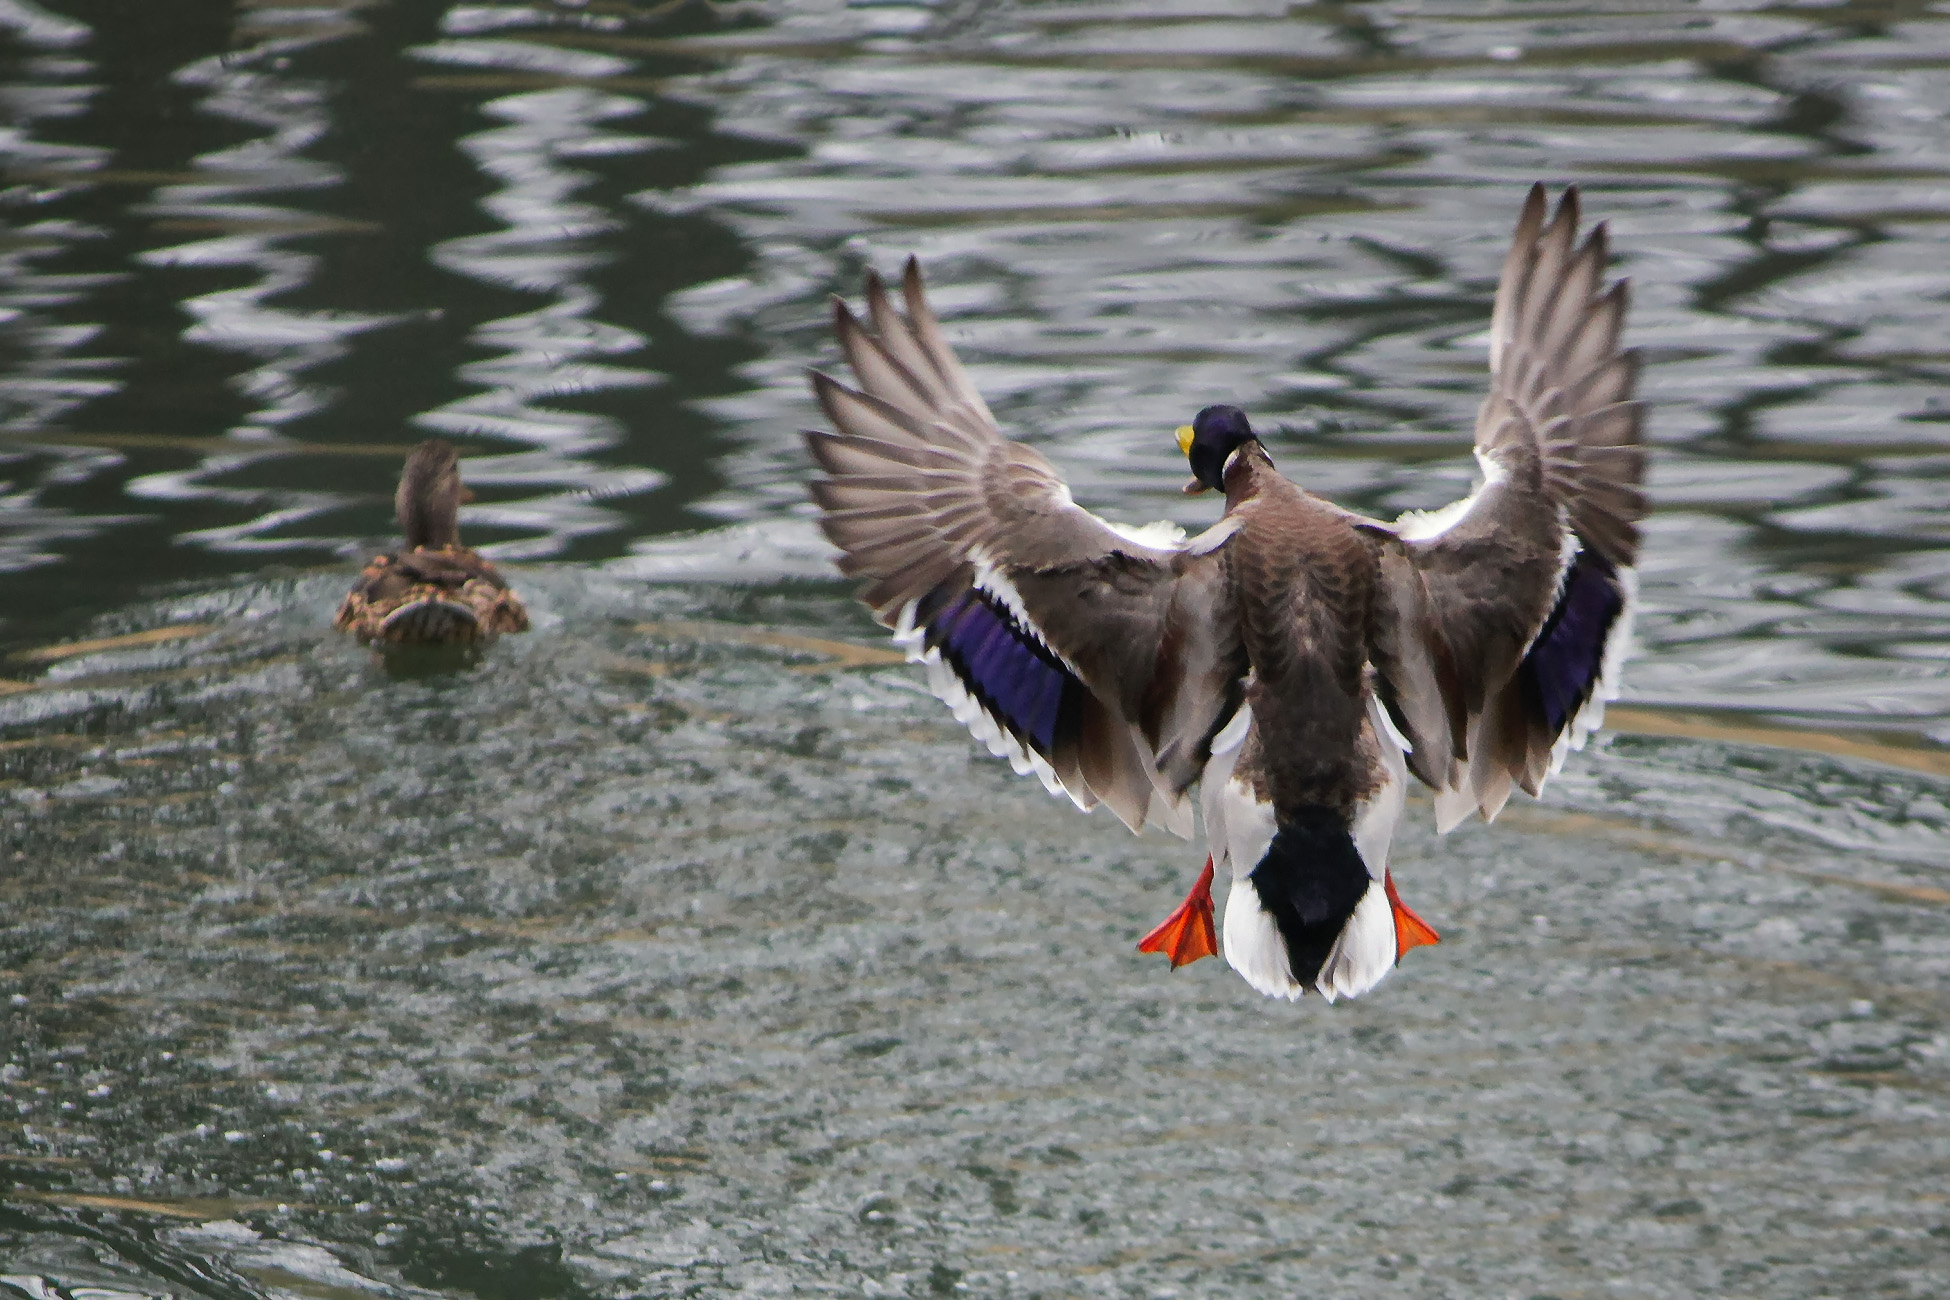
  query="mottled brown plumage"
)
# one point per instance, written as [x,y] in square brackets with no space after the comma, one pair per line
[433,591]
[1302,579]
[1288,656]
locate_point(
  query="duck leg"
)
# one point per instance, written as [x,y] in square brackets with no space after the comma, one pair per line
[1188,934]
[1411,931]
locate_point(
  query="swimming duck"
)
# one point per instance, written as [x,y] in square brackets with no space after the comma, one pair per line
[433,590]
[1296,661]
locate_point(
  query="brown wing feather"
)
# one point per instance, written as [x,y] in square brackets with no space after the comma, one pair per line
[971,548]
[1469,595]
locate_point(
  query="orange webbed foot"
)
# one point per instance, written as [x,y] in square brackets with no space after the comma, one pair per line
[1187,934]
[1411,931]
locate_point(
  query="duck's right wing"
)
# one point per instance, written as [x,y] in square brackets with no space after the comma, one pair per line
[1104,659]
[1503,619]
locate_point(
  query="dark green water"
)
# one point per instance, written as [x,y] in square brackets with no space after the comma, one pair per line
[661,953]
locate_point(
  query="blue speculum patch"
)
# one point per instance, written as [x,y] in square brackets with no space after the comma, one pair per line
[1564,662]
[1013,676]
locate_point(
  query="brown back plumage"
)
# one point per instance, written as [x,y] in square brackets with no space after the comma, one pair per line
[1302,577]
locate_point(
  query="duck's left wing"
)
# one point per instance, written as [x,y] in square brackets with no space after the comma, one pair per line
[1101,658]
[1503,619]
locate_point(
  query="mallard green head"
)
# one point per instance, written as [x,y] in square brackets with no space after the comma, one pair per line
[1209,441]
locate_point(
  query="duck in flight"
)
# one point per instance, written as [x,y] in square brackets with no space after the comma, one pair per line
[1296,661]
[433,590]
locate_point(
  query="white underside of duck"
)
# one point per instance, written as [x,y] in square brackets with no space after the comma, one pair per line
[1240,827]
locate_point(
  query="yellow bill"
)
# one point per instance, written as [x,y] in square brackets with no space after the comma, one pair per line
[1184,439]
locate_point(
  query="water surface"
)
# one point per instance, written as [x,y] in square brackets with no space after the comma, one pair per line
[683,946]
[679,948]
[251,255]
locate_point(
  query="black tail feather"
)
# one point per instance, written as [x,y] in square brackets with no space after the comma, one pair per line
[1310,881]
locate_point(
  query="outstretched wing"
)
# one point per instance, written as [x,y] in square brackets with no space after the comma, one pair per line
[1100,658]
[1503,618]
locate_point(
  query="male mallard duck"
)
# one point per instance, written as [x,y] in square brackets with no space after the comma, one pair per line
[1297,658]
[433,590]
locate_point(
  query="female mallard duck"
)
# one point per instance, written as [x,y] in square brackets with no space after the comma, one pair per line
[433,591]
[1299,659]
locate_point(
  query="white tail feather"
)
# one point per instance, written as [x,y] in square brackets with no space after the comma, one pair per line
[1253,945]
[1365,950]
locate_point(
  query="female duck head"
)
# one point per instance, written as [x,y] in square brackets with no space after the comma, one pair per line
[429,496]
[1209,441]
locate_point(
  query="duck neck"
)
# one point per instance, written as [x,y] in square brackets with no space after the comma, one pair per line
[1243,473]
[428,515]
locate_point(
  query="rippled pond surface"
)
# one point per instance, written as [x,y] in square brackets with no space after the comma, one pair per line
[683,946]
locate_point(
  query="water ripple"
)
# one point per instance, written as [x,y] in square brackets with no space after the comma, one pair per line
[1128,216]
[252,236]
[1126,212]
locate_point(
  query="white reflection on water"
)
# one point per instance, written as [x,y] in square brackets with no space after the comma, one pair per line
[553,518]
[38,28]
[228,199]
[549,246]
[45,376]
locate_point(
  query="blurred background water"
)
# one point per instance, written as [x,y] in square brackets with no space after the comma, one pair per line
[667,952]
[252,251]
